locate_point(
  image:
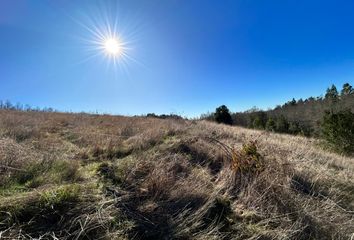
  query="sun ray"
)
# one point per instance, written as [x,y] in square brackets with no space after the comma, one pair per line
[109,36]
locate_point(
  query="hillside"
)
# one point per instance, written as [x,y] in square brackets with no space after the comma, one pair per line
[298,116]
[80,176]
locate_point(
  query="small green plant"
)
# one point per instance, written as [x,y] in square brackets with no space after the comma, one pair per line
[247,158]
[60,196]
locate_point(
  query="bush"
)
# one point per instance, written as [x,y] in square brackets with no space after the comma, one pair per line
[247,159]
[338,130]
[222,115]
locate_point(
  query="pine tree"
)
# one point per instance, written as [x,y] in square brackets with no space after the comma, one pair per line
[347,89]
[222,115]
[338,130]
[332,93]
[270,125]
[292,102]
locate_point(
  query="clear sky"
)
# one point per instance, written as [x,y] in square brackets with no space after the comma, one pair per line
[184,57]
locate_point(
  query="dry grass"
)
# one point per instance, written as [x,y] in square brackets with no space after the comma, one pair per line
[80,176]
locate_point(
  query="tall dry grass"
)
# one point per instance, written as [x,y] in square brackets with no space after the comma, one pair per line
[115,177]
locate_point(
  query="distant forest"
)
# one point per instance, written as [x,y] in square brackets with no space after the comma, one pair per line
[329,117]
[296,116]
[303,117]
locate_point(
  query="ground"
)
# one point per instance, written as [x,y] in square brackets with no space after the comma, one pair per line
[81,176]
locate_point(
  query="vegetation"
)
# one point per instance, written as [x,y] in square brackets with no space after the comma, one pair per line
[222,115]
[270,125]
[307,114]
[338,130]
[305,117]
[81,176]
[164,116]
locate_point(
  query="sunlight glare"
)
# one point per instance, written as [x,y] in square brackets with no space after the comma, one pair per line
[105,35]
[113,46]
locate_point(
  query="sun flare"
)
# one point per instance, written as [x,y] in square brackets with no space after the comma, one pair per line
[107,38]
[113,46]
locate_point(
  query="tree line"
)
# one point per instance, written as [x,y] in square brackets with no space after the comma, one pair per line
[8,105]
[330,116]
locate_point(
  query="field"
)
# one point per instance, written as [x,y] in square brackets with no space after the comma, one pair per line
[81,176]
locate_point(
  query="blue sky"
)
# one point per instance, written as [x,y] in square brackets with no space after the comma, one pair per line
[185,57]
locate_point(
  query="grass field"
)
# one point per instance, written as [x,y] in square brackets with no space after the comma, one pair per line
[80,176]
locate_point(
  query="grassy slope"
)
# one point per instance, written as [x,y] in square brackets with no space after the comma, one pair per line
[72,176]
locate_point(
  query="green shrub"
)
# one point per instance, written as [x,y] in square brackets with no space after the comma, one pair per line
[247,158]
[338,130]
[60,196]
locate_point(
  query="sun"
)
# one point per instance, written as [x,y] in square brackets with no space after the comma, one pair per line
[105,37]
[113,46]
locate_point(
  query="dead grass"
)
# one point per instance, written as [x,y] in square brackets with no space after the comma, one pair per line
[80,176]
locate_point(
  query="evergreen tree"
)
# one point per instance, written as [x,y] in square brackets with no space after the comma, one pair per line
[338,130]
[332,93]
[222,115]
[292,102]
[270,125]
[347,89]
